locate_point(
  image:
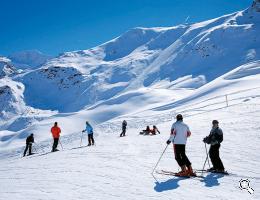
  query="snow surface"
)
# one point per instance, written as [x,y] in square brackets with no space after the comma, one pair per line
[208,70]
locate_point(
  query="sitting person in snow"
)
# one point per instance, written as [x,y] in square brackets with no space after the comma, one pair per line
[89,130]
[214,139]
[147,131]
[155,130]
[29,141]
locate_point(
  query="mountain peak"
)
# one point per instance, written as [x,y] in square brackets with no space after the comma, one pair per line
[256,5]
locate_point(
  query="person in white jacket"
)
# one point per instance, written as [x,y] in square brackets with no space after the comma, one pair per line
[179,134]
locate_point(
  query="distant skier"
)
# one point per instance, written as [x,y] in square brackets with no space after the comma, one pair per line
[214,139]
[89,130]
[179,133]
[29,141]
[155,130]
[55,130]
[124,124]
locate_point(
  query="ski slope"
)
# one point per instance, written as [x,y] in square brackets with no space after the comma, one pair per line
[120,168]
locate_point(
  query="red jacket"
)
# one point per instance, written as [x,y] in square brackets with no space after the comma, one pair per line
[55,130]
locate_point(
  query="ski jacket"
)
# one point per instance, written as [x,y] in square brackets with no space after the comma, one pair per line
[55,130]
[179,133]
[29,139]
[124,124]
[89,129]
[216,136]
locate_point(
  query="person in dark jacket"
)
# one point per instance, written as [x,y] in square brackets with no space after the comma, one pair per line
[124,124]
[214,139]
[29,141]
[146,131]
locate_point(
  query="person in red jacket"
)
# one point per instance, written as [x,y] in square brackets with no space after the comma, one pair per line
[55,130]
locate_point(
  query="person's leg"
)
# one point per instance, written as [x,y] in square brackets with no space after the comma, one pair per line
[177,153]
[55,144]
[92,139]
[124,131]
[212,155]
[89,139]
[184,156]
[30,149]
[25,150]
[219,164]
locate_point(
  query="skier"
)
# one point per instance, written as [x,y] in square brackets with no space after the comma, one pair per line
[29,141]
[155,130]
[55,130]
[89,130]
[179,133]
[124,124]
[214,139]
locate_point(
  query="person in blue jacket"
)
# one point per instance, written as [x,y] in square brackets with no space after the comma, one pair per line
[89,130]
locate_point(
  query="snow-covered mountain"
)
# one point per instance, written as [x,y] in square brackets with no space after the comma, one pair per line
[28,59]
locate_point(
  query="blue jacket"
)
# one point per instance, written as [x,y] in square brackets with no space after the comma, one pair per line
[89,129]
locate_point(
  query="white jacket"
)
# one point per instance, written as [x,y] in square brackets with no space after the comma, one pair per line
[179,133]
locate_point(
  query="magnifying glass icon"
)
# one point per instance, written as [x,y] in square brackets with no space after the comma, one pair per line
[244,184]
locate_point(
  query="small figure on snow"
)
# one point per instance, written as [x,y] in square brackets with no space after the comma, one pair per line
[155,130]
[29,142]
[55,130]
[179,133]
[124,124]
[214,139]
[146,131]
[89,130]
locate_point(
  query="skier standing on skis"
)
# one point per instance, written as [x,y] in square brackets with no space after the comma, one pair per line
[29,141]
[89,130]
[179,133]
[214,139]
[124,124]
[55,130]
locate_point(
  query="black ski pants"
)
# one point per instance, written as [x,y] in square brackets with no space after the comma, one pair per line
[180,155]
[55,143]
[91,139]
[123,132]
[214,157]
[28,146]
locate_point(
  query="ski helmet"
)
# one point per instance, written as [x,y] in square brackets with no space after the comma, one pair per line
[179,117]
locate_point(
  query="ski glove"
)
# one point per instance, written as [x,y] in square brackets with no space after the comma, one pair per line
[168,142]
[207,140]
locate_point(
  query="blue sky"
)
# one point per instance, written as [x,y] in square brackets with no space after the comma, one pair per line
[55,26]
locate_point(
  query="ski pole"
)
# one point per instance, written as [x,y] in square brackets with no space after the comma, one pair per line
[207,154]
[81,138]
[160,158]
[207,159]
[61,145]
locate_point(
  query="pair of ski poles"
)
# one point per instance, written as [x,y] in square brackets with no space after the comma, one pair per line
[207,159]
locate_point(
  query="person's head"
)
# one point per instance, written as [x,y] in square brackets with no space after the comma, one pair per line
[87,122]
[215,123]
[55,123]
[179,117]
[147,127]
[154,127]
[31,135]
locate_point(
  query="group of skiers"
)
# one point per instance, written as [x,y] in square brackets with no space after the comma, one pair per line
[178,136]
[149,131]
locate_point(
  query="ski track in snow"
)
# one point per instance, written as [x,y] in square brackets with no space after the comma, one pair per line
[120,168]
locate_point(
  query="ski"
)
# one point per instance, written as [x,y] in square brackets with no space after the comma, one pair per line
[170,173]
[215,172]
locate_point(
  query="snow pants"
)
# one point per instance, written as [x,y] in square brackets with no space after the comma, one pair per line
[123,133]
[91,139]
[28,146]
[214,157]
[180,155]
[55,143]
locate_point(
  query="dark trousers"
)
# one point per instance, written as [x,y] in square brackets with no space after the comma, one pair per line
[91,139]
[28,146]
[214,157]
[180,156]
[55,144]
[123,133]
